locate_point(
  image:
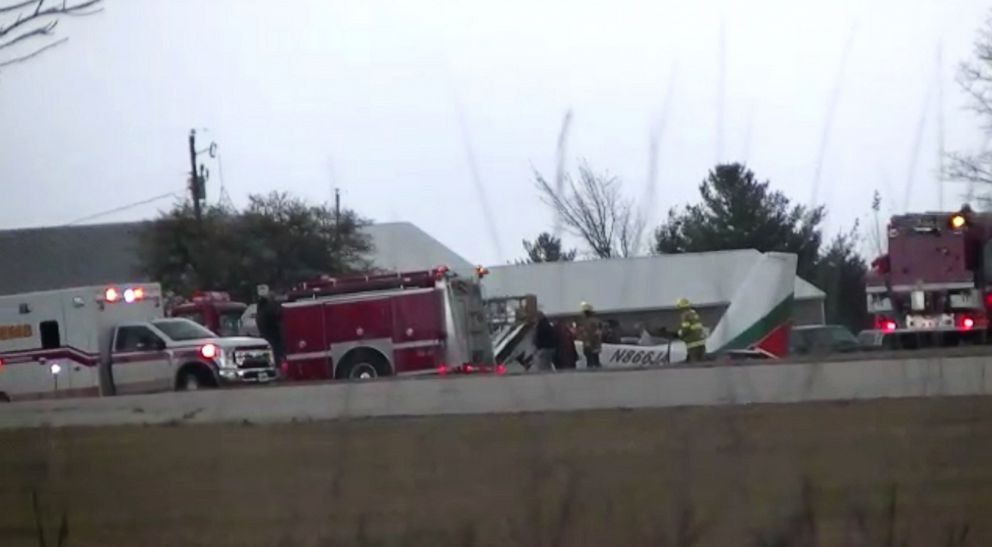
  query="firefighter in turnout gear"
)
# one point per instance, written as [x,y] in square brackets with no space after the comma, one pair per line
[591,333]
[691,331]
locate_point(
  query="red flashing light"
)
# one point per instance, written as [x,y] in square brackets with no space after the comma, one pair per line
[442,370]
[957,221]
[967,323]
[212,296]
[1,363]
[889,325]
[111,295]
[501,369]
[208,351]
[468,368]
[139,293]
[988,300]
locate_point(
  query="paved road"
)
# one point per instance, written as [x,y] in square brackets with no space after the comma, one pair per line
[719,385]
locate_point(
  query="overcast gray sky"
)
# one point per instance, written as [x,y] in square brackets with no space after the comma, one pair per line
[366,95]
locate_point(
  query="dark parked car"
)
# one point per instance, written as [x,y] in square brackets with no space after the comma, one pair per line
[822,339]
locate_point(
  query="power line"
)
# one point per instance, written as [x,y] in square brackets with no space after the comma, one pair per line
[121,208]
[831,111]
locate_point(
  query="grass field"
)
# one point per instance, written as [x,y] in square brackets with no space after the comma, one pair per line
[886,473]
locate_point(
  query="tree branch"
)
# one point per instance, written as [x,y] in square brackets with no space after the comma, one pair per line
[40,31]
[17,7]
[64,9]
[33,54]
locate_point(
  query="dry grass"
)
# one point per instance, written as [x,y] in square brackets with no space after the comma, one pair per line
[913,473]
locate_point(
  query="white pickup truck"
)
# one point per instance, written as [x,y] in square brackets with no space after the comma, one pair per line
[91,341]
[180,354]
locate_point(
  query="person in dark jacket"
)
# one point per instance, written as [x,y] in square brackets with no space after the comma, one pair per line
[545,338]
[268,319]
[565,355]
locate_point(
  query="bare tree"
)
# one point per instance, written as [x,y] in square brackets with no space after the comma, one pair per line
[975,78]
[27,27]
[595,209]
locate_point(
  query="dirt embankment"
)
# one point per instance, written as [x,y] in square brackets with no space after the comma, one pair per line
[816,474]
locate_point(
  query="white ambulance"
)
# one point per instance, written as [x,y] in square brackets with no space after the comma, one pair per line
[104,340]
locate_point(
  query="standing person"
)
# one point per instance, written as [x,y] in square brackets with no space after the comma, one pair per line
[267,320]
[565,354]
[591,334]
[546,341]
[691,331]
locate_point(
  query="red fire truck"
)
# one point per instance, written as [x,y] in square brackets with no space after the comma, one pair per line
[363,327]
[213,310]
[936,277]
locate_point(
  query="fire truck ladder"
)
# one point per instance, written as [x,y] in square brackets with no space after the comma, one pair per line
[332,286]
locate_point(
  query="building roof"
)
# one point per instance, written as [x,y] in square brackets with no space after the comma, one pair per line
[629,284]
[36,259]
[402,246]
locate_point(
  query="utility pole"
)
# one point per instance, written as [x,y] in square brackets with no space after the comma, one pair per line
[194,178]
[337,220]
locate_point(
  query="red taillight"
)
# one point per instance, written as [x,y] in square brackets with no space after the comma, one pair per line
[442,370]
[988,300]
[111,295]
[1,363]
[467,368]
[967,323]
[500,369]
[208,351]
[889,325]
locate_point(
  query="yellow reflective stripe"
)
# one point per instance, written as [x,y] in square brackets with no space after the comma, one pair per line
[695,344]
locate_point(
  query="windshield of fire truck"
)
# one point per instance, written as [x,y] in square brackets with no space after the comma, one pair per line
[183,329]
[230,323]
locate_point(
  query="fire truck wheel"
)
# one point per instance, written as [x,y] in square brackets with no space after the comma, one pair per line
[194,378]
[363,365]
[4,398]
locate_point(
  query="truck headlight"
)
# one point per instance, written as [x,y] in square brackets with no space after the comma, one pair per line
[224,361]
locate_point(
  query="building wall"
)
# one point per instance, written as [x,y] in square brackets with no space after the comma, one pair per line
[808,312]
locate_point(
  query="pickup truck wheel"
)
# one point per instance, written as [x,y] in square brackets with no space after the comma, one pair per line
[189,382]
[194,378]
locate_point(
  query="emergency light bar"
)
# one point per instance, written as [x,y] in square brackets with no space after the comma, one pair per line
[211,296]
[129,295]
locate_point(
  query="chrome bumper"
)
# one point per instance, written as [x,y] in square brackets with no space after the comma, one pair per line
[248,376]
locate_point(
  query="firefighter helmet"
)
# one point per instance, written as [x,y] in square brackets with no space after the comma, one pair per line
[682,303]
[585,306]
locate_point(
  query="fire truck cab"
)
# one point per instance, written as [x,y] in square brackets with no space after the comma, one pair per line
[103,340]
[936,276]
[213,310]
[389,324]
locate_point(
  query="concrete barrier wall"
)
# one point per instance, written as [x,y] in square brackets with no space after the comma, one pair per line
[649,388]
